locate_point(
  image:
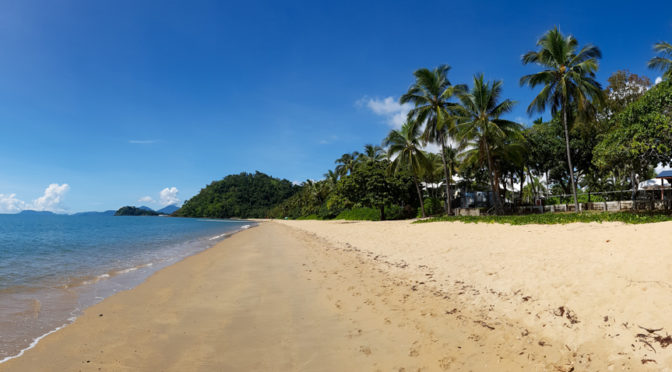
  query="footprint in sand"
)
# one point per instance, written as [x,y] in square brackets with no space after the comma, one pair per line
[365,350]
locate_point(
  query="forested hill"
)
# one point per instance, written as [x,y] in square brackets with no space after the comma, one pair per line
[242,195]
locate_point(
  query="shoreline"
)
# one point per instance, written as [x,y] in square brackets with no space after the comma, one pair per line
[88,288]
[316,295]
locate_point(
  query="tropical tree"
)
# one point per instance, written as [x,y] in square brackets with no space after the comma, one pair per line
[404,146]
[430,94]
[371,154]
[483,129]
[568,81]
[663,62]
[346,163]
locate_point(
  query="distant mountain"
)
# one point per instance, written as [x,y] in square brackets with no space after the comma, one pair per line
[133,211]
[145,208]
[105,213]
[31,212]
[170,209]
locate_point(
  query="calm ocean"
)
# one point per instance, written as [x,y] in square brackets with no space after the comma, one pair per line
[53,267]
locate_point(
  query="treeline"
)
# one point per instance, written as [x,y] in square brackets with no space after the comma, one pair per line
[243,195]
[597,139]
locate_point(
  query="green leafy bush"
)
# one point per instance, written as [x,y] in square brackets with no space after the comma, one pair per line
[360,214]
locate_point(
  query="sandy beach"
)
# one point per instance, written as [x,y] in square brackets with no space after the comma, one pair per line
[368,296]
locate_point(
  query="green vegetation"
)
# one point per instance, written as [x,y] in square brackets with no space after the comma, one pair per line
[597,145]
[556,218]
[243,195]
[361,214]
[133,211]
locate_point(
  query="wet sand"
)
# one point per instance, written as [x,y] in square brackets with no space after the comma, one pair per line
[342,296]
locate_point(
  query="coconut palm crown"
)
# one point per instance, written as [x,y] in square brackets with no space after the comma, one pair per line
[664,61]
[482,126]
[403,146]
[430,94]
[567,80]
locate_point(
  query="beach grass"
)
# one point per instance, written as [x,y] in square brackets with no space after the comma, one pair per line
[557,218]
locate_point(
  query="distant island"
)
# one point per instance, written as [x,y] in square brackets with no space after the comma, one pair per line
[93,213]
[135,211]
[32,212]
[170,209]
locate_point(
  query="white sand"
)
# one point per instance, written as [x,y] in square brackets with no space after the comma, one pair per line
[610,278]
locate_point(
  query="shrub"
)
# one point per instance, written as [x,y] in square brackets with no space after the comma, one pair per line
[360,214]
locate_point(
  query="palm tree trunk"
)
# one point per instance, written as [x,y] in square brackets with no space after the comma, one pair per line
[422,203]
[522,183]
[447,176]
[569,156]
[495,188]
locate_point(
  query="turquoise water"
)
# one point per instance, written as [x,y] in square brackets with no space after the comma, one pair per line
[53,267]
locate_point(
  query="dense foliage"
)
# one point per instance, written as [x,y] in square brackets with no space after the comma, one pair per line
[133,211]
[370,185]
[243,195]
[597,145]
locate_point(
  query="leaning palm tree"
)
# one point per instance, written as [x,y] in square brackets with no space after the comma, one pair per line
[346,163]
[568,80]
[430,94]
[482,129]
[404,146]
[663,62]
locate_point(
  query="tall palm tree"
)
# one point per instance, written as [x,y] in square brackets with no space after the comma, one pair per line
[663,62]
[430,94]
[346,163]
[371,154]
[404,146]
[568,80]
[482,125]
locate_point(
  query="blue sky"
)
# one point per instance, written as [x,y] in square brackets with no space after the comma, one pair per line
[120,100]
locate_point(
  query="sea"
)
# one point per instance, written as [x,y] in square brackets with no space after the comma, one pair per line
[52,267]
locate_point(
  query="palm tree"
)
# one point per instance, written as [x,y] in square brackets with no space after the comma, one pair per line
[663,62]
[482,125]
[346,163]
[405,145]
[331,178]
[430,94]
[568,81]
[371,154]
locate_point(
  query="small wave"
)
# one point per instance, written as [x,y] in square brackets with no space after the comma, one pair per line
[35,341]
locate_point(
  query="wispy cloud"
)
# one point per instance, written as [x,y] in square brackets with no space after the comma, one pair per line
[326,141]
[142,142]
[51,200]
[146,199]
[389,108]
[658,80]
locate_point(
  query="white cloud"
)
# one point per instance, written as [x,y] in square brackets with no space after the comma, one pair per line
[146,199]
[168,196]
[143,142]
[10,204]
[658,80]
[51,199]
[389,108]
